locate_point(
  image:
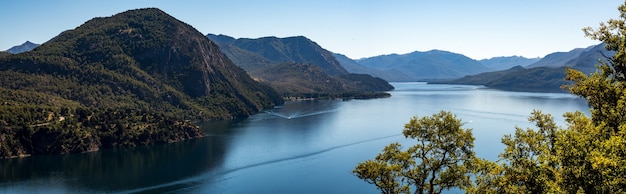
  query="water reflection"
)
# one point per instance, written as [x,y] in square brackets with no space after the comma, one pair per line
[116,170]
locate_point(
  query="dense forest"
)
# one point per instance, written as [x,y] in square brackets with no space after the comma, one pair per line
[135,78]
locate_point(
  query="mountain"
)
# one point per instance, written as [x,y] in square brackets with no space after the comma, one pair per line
[135,78]
[502,63]
[538,79]
[298,49]
[296,66]
[354,67]
[27,46]
[587,60]
[434,64]
[559,59]
[547,77]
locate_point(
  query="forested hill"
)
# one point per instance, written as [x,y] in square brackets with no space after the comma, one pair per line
[298,67]
[134,78]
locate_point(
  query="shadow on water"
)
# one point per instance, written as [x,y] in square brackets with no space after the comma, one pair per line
[118,170]
[189,184]
[145,168]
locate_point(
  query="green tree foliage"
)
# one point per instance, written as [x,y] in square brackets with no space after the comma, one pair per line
[580,158]
[605,90]
[439,160]
[527,164]
[587,156]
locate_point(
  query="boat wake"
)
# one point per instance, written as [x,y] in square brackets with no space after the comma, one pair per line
[296,115]
[206,177]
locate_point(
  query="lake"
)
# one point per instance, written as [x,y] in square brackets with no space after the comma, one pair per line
[300,147]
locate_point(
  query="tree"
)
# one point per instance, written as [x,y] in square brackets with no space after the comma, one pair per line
[589,156]
[603,138]
[604,90]
[439,160]
[582,158]
[527,164]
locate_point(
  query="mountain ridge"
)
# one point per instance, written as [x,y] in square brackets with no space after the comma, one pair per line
[506,62]
[559,59]
[354,67]
[433,64]
[294,55]
[24,47]
[543,76]
[294,49]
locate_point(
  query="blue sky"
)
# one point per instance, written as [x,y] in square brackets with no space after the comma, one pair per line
[478,29]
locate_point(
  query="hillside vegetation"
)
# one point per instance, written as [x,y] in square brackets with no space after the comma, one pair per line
[135,78]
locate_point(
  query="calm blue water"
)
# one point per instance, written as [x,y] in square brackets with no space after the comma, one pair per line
[301,147]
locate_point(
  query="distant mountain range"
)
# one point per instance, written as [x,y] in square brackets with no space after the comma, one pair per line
[508,73]
[354,67]
[559,59]
[545,75]
[502,63]
[430,65]
[25,47]
[434,64]
[295,66]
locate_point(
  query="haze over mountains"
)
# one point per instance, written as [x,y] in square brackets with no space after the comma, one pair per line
[502,63]
[559,59]
[434,64]
[507,73]
[545,75]
[354,67]
[429,65]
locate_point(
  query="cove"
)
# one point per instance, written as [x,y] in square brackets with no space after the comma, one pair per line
[300,147]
